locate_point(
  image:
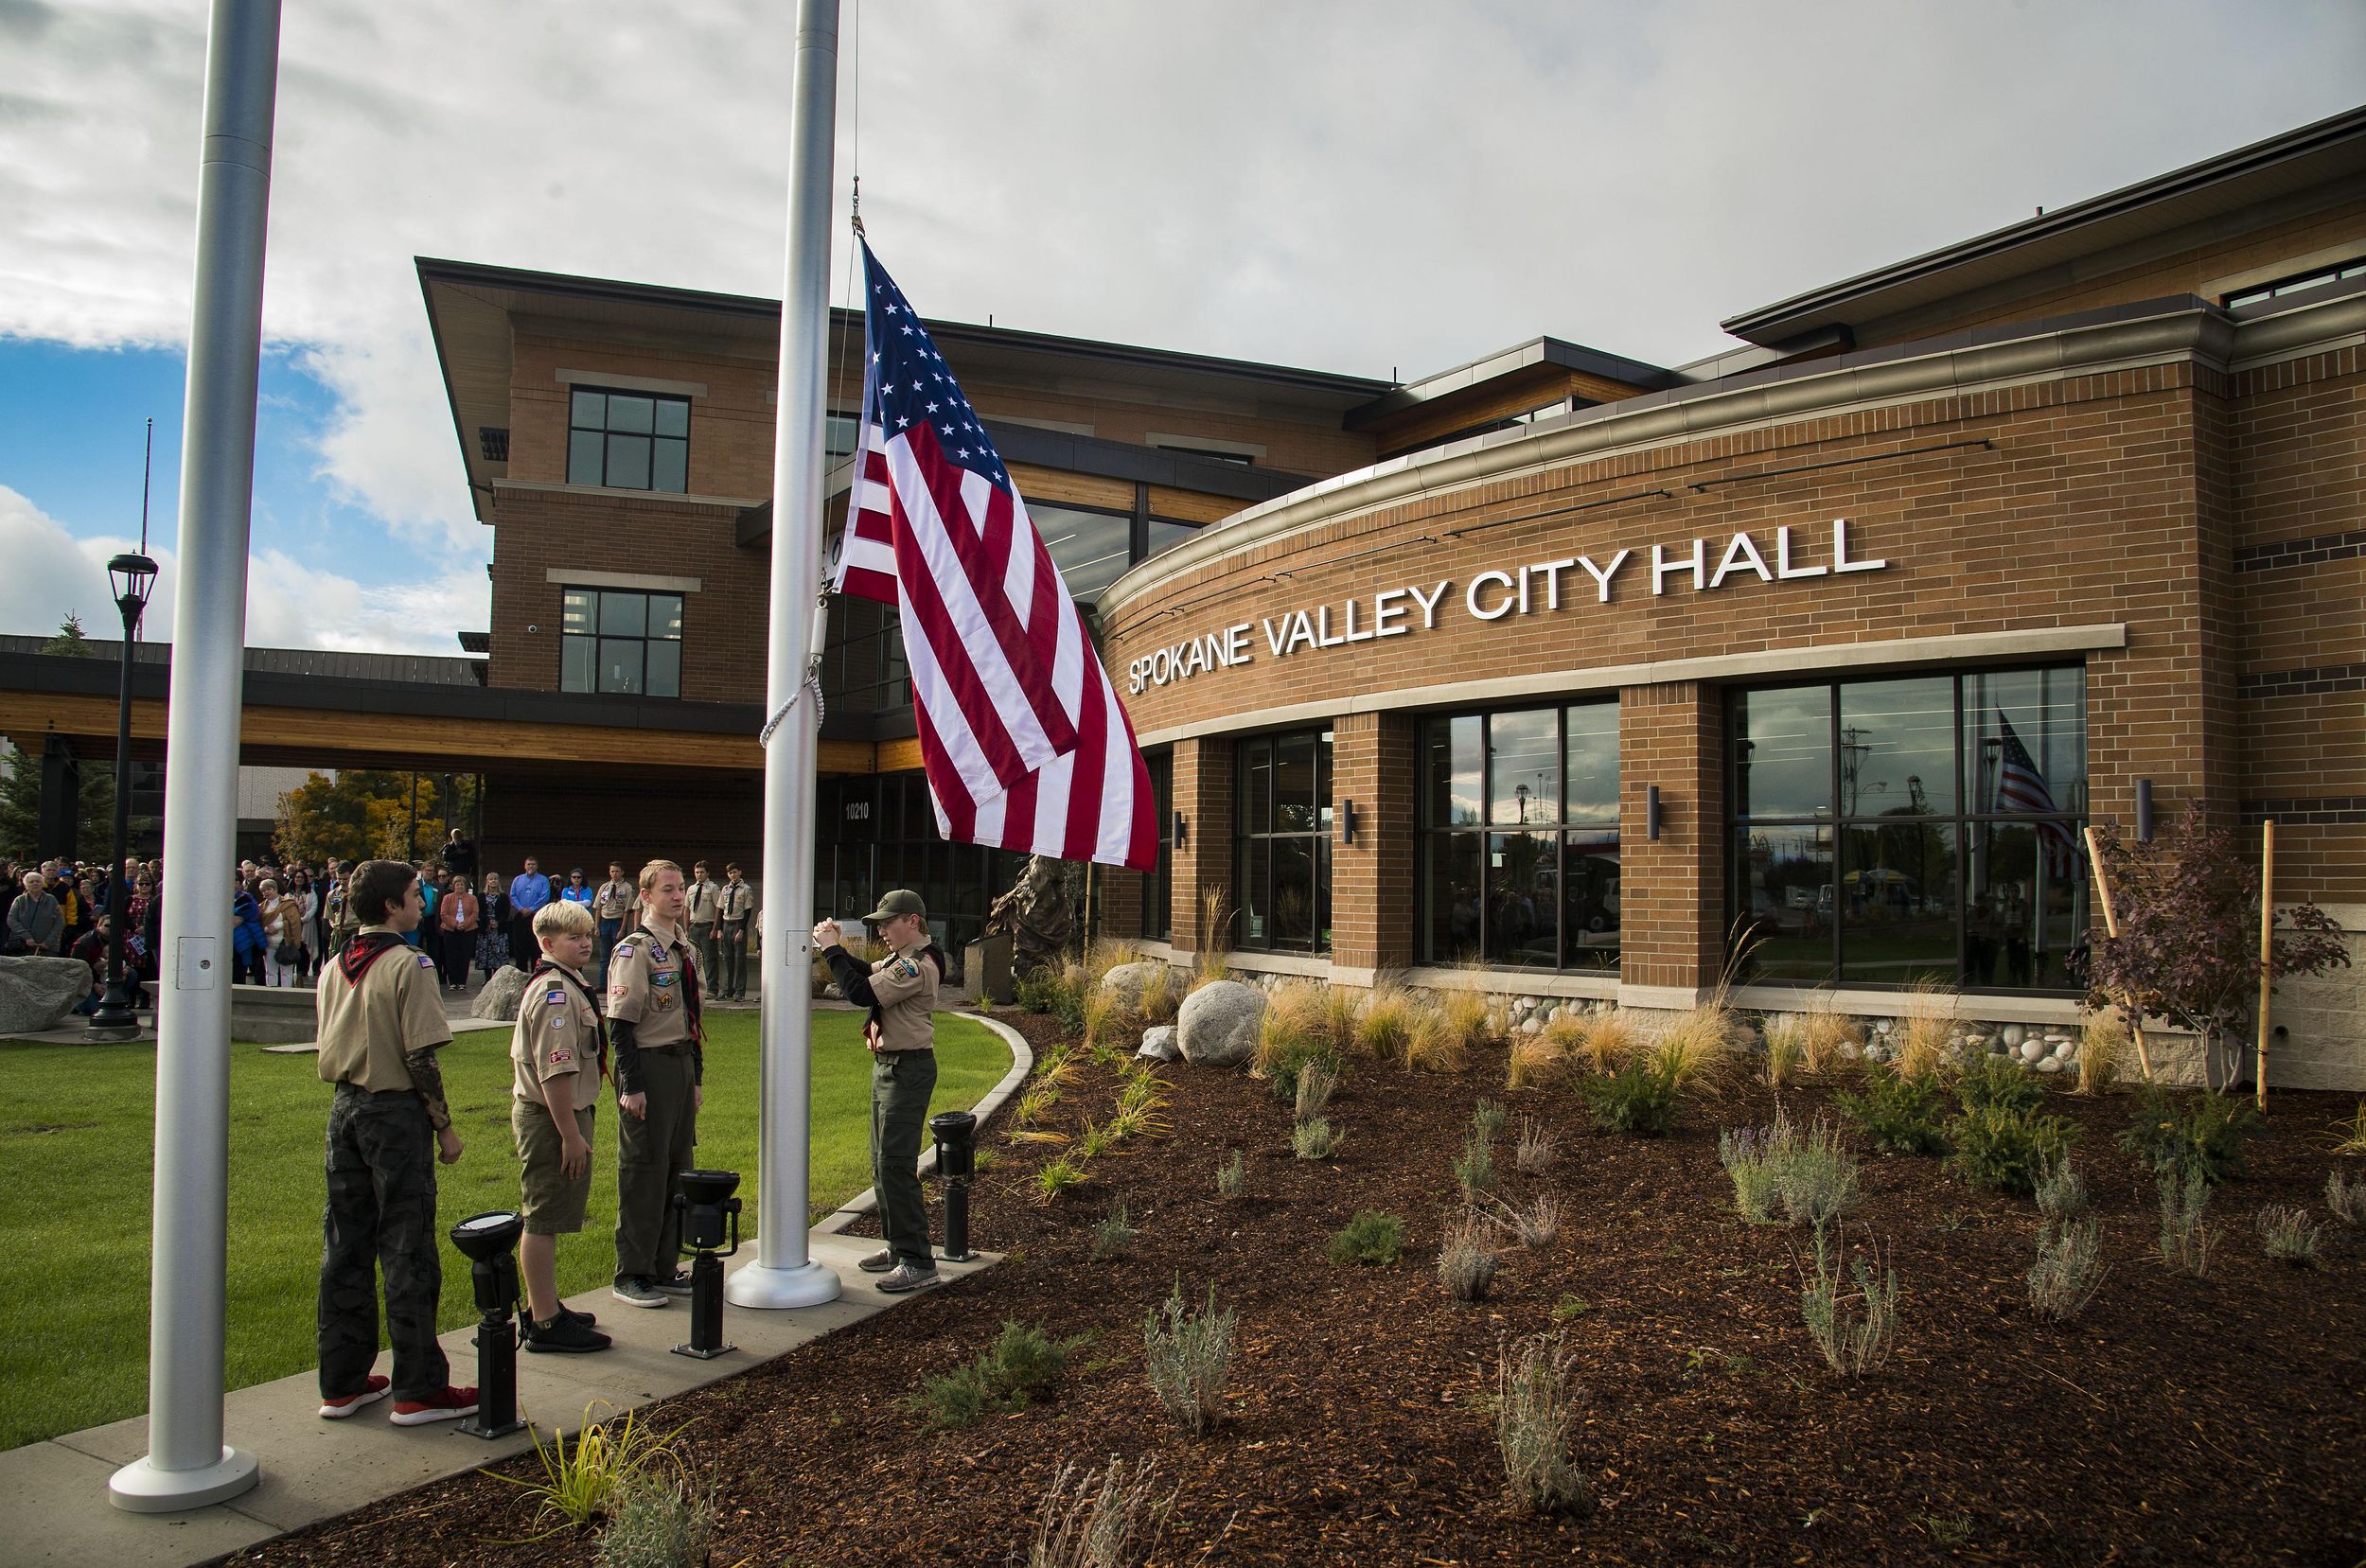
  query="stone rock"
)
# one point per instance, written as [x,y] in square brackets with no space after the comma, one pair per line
[1126,981]
[2032,1049]
[36,993]
[2049,1064]
[2064,1049]
[499,1000]
[1159,1044]
[1219,1024]
[2013,1034]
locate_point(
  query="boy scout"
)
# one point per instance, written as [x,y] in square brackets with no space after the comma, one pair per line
[653,1022]
[612,903]
[733,909]
[381,1021]
[900,992]
[559,1049]
[705,896]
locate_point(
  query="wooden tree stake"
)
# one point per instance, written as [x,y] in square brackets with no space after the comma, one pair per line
[2267,942]
[2112,929]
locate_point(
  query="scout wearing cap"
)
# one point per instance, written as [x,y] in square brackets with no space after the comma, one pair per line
[900,992]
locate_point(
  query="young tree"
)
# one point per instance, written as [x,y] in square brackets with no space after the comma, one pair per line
[358,814]
[94,810]
[70,642]
[2188,947]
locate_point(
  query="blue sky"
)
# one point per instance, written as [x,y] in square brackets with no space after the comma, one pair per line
[1415,190]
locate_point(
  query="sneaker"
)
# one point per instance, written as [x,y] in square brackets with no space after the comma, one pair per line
[879,1262]
[338,1408]
[565,1335]
[904,1276]
[589,1320]
[636,1291]
[678,1285]
[447,1404]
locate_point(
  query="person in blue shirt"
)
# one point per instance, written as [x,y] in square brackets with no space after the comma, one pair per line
[577,890]
[247,942]
[528,892]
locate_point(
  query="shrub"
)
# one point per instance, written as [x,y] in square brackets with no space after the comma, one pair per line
[1094,1141]
[1032,1106]
[1895,1114]
[1021,1366]
[1290,1036]
[1316,1138]
[1698,1049]
[1316,1080]
[2006,1151]
[2349,1134]
[1058,1175]
[1468,1018]
[1921,1034]
[1536,1061]
[2068,1270]
[1747,1155]
[1474,1173]
[1466,1262]
[1638,1100]
[1786,1047]
[1535,1226]
[1231,1175]
[588,1480]
[1536,1426]
[1109,1022]
[1488,1119]
[1384,1023]
[2061,1192]
[1215,923]
[1159,1003]
[2185,1240]
[1816,1175]
[2103,1046]
[1537,1147]
[1341,1010]
[1431,1044]
[2345,1198]
[1371,1236]
[1999,1083]
[2286,1234]
[1854,1338]
[1188,1358]
[1610,1040]
[1110,1520]
[1827,1035]
[659,1521]
[1038,990]
[2206,1134]
[1114,1233]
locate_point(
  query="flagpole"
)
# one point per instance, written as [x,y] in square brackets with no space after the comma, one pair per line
[188,1465]
[784,1275]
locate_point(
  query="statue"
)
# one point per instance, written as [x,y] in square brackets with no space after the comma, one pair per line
[1037,913]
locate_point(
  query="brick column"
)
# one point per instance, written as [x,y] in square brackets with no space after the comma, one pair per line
[1371,880]
[1671,893]
[1203,862]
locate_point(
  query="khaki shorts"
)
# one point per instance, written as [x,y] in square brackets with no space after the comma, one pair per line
[552,1205]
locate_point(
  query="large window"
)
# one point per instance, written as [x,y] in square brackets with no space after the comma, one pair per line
[1159,887]
[1919,829]
[628,440]
[1519,838]
[1282,855]
[877,833]
[1091,549]
[614,639]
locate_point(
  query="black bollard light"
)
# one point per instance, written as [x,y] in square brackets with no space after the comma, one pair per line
[710,1216]
[489,1241]
[956,1132]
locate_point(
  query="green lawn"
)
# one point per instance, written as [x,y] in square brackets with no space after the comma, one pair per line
[75,1143]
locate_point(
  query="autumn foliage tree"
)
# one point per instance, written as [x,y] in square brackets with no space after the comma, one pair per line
[2188,947]
[360,814]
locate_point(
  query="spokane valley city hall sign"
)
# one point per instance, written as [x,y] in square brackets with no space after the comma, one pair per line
[1492,595]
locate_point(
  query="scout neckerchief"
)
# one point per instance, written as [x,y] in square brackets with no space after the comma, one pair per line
[599,1018]
[690,977]
[363,951]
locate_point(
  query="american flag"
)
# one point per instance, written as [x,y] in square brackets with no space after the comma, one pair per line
[2020,787]
[1024,743]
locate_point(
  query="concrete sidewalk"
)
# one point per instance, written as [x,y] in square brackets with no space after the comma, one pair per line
[53,1495]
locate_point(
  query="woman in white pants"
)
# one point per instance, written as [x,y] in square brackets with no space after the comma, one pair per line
[281,914]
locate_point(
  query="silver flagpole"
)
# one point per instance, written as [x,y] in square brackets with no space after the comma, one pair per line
[784,1275]
[187,1464]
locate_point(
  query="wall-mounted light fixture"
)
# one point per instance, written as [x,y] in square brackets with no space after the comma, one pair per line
[1347,821]
[1182,830]
[2144,811]
[1650,813]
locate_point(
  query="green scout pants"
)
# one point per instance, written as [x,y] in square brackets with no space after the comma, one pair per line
[381,1216]
[734,979]
[901,1083]
[710,954]
[650,1152]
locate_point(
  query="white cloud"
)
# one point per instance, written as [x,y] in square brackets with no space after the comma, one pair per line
[1387,184]
[289,604]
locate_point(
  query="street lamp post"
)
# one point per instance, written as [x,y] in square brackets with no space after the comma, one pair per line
[116,1020]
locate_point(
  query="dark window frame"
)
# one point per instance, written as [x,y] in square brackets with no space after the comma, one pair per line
[1315,840]
[2313,277]
[608,432]
[596,636]
[1157,887]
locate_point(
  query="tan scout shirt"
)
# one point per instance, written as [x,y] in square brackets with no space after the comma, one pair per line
[613,901]
[738,902]
[556,1041]
[700,908]
[648,981]
[366,1029]
[906,985]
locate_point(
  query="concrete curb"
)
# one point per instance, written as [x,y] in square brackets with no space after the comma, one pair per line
[1023,1063]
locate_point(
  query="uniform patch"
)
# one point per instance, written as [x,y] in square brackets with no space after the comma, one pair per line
[624,949]
[558,1020]
[557,998]
[426,963]
[904,969]
[664,979]
[561,1055]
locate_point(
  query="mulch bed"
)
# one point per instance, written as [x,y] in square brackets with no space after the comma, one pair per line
[2178,1421]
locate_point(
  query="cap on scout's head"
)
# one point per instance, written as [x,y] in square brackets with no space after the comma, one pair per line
[903,901]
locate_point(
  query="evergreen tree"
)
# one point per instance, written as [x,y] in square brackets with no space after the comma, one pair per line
[70,642]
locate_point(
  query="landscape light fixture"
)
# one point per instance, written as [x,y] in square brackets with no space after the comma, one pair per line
[132,577]
[956,1132]
[1182,830]
[489,1241]
[710,1228]
[1347,821]
[1650,813]
[2144,811]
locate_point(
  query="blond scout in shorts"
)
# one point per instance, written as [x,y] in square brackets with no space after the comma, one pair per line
[559,1053]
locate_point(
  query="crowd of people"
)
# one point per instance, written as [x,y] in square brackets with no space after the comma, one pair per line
[291,919]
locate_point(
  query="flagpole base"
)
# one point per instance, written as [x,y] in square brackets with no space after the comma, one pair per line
[141,1488]
[809,1284]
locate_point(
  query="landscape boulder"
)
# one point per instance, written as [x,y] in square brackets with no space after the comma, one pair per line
[1159,1044]
[36,993]
[499,1000]
[1219,1024]
[1126,982]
